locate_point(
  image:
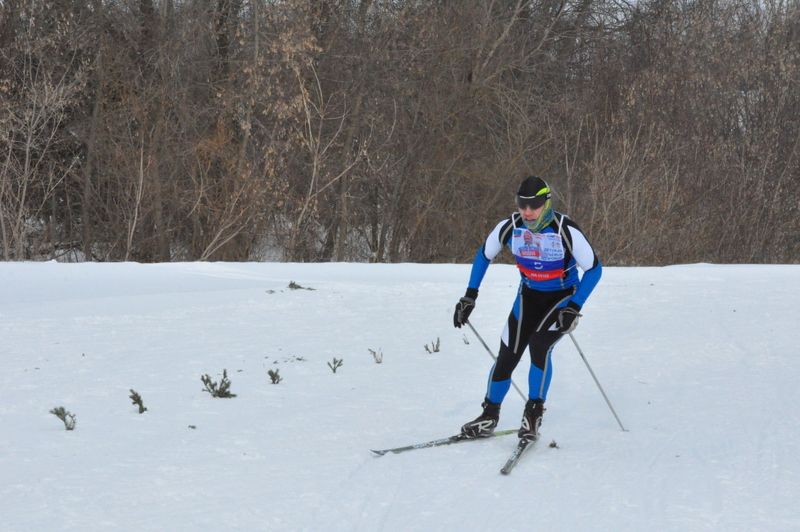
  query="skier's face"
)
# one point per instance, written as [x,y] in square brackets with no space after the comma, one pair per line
[530,214]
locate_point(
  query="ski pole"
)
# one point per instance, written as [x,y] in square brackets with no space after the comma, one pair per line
[597,382]
[495,358]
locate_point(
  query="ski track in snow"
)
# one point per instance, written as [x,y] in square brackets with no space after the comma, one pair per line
[700,361]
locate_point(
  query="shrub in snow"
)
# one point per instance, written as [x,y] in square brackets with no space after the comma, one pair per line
[274,374]
[222,389]
[137,400]
[66,416]
[337,363]
[434,347]
[377,355]
[294,286]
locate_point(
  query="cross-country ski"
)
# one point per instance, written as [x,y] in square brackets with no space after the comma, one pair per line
[522,446]
[458,438]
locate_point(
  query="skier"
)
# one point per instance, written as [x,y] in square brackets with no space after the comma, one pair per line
[547,247]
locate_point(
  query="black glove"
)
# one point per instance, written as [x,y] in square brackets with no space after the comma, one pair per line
[464,307]
[568,317]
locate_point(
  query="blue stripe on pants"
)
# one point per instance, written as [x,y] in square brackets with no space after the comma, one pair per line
[535,380]
[497,390]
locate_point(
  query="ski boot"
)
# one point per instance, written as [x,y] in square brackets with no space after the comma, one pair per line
[531,419]
[483,425]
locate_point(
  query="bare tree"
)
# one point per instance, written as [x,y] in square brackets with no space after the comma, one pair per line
[154,130]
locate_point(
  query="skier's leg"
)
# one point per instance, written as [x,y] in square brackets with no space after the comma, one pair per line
[499,377]
[512,345]
[541,347]
[541,341]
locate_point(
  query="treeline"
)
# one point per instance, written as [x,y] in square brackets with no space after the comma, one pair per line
[396,130]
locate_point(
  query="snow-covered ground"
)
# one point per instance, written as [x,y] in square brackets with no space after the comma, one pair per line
[701,362]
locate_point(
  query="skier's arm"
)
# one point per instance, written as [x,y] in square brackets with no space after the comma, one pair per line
[587,260]
[486,254]
[483,258]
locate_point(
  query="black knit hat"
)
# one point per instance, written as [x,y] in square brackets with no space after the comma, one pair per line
[533,192]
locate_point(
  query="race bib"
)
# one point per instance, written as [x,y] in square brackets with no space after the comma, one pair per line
[539,256]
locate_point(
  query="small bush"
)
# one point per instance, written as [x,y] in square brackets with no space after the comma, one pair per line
[221,390]
[274,374]
[294,286]
[66,416]
[377,355]
[337,363]
[137,400]
[434,347]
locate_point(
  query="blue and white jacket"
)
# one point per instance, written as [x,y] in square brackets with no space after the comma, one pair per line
[546,260]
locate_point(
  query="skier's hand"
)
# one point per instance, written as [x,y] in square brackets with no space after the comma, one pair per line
[464,307]
[568,317]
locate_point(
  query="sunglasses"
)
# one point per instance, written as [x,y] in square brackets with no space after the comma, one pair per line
[534,202]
